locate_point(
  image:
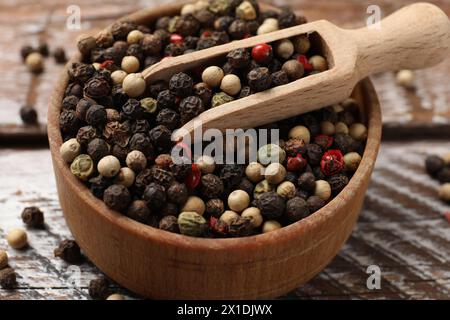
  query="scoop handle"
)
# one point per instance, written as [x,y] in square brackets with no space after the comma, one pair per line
[416,36]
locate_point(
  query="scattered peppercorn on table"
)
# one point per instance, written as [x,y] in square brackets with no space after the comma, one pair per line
[328,283]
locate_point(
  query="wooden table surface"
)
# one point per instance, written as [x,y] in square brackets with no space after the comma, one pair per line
[402,228]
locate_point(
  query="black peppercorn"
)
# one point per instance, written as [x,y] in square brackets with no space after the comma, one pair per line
[246,185]
[141,142]
[190,107]
[33,217]
[211,186]
[271,205]
[311,123]
[291,177]
[97,87]
[239,58]
[245,92]
[98,185]
[99,288]
[121,29]
[279,78]
[139,211]
[215,207]
[337,183]
[177,193]
[302,194]
[259,79]
[174,49]
[81,72]
[240,227]
[444,175]
[8,278]
[238,29]
[205,43]
[162,177]
[140,126]
[96,115]
[97,149]
[162,22]
[118,133]
[296,209]
[70,102]
[314,153]
[181,171]
[181,84]
[344,142]
[43,49]
[231,175]
[223,23]
[69,251]
[169,223]
[161,137]
[60,55]
[28,115]
[205,17]
[25,51]
[86,134]
[286,18]
[171,209]
[204,92]
[294,146]
[74,89]
[117,197]
[318,173]
[169,118]
[164,35]
[166,100]
[155,196]
[150,60]
[68,122]
[190,42]
[132,110]
[186,25]
[135,50]
[118,95]
[314,203]
[82,107]
[142,180]
[151,44]
[434,164]
[307,182]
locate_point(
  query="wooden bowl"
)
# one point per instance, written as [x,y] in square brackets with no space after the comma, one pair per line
[159,264]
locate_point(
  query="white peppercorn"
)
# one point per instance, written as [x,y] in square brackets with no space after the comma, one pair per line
[254,172]
[300,132]
[116,296]
[319,63]
[352,161]
[271,153]
[358,131]
[323,190]
[134,85]
[231,84]
[254,215]
[70,149]
[212,76]
[238,200]
[136,161]
[188,9]
[341,127]
[201,4]
[194,204]
[246,11]
[130,64]
[125,177]
[284,48]
[270,225]
[405,78]
[268,25]
[444,192]
[35,62]
[96,65]
[3,259]
[118,76]
[17,238]
[286,189]
[108,166]
[134,36]
[206,164]
[275,173]
[228,217]
[327,128]
[446,158]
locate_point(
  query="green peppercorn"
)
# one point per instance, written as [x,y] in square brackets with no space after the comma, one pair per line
[220,98]
[82,166]
[191,224]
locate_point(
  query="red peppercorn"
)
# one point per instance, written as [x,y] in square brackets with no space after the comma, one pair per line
[106,64]
[262,52]
[324,141]
[296,163]
[219,228]
[304,61]
[332,162]
[193,179]
[176,39]
[206,34]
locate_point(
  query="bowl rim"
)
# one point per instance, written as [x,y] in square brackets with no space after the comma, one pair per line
[155,235]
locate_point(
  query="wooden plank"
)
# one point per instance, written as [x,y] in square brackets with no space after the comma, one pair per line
[425,111]
[402,230]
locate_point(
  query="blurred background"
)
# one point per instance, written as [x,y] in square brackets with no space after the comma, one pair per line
[403,228]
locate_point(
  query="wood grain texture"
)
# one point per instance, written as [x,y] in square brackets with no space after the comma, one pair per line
[418,110]
[401,229]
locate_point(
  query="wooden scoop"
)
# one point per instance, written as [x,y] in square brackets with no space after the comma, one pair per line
[414,37]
